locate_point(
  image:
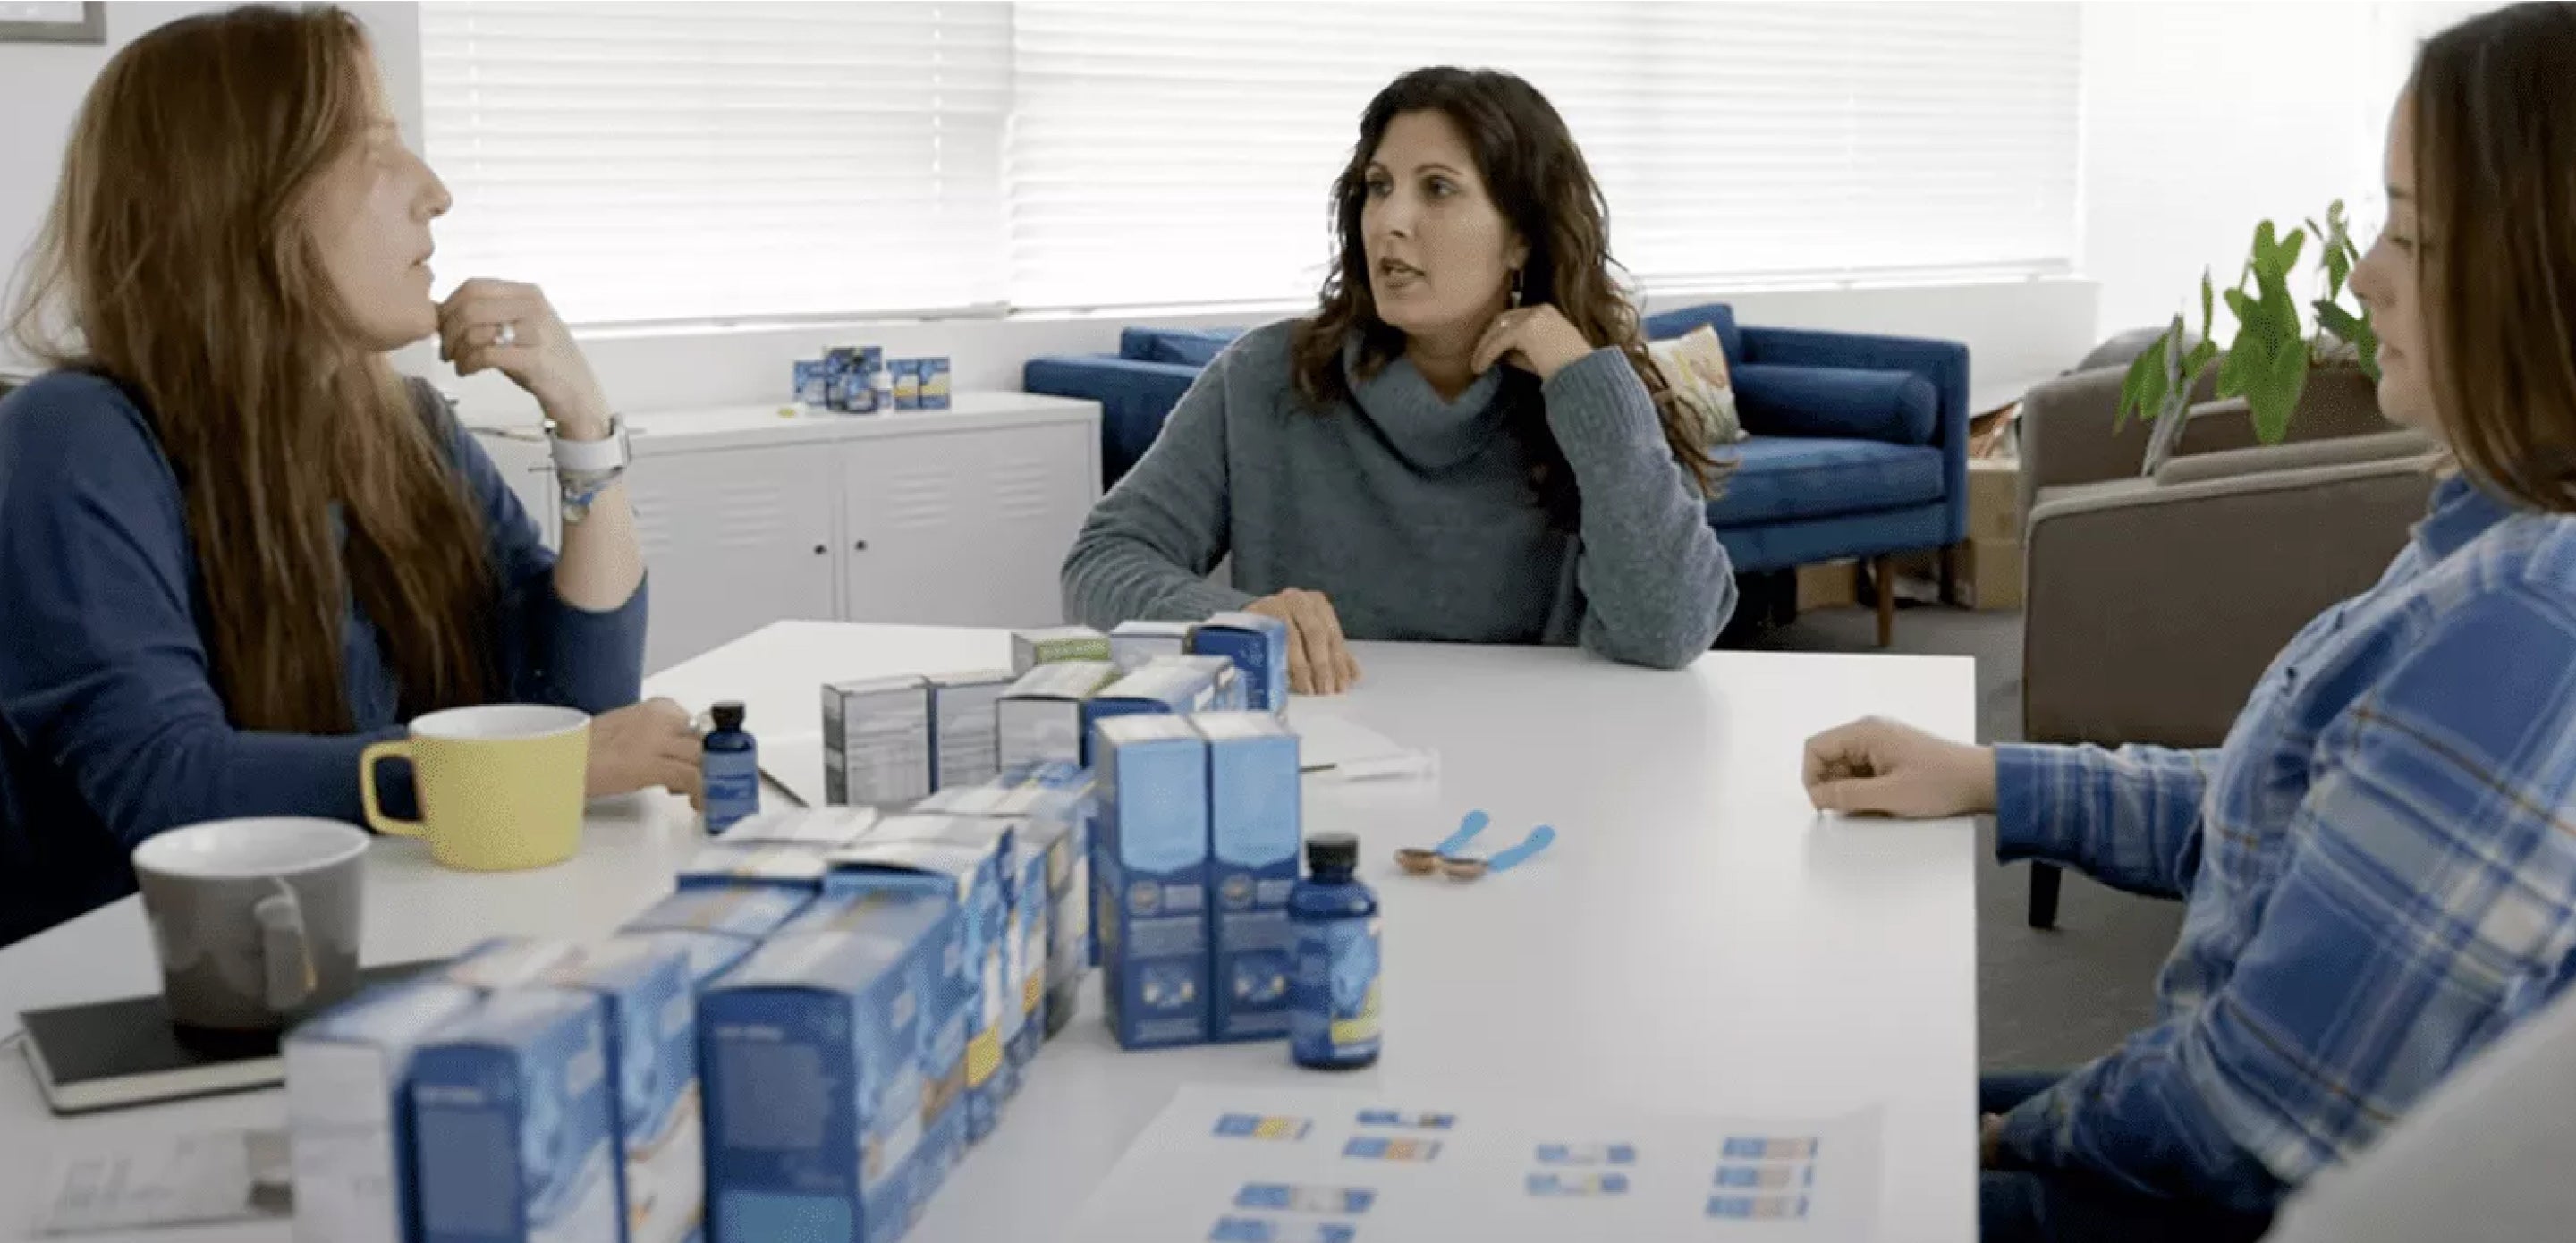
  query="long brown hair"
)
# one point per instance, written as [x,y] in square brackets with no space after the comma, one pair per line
[2494,112]
[1537,176]
[176,262]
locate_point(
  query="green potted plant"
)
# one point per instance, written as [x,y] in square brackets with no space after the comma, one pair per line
[2267,363]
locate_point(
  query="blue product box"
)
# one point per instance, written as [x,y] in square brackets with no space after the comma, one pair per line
[877,741]
[934,383]
[1023,964]
[1043,717]
[907,382]
[1150,867]
[647,996]
[1056,801]
[813,828]
[1136,644]
[1258,646]
[747,912]
[706,954]
[348,1110]
[496,963]
[1255,825]
[1228,680]
[782,865]
[929,927]
[1165,686]
[966,727]
[911,856]
[811,1056]
[813,388]
[849,378]
[515,1123]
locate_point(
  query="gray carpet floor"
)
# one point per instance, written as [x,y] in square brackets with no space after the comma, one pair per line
[2045,1000]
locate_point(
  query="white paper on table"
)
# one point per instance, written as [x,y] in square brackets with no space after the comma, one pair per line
[1325,741]
[795,762]
[162,1180]
[1219,1163]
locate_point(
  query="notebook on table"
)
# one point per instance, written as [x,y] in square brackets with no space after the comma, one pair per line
[111,1054]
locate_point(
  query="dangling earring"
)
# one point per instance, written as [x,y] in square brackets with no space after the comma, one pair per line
[1516,286]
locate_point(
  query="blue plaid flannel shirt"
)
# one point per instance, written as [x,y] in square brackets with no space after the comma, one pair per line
[2379,868]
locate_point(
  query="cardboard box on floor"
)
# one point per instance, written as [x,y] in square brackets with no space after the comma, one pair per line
[1990,574]
[1994,499]
[1828,585]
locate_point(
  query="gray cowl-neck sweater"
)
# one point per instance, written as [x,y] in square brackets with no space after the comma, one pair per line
[1417,517]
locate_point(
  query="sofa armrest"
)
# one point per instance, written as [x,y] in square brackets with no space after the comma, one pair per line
[1134,398]
[1899,407]
[1944,364]
[2194,588]
[2294,455]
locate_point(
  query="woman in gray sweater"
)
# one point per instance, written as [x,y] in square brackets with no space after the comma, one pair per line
[1375,474]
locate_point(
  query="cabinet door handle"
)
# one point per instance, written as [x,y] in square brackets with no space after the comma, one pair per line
[861,546]
[821,550]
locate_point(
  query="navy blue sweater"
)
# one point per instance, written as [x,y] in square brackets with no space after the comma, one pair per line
[111,729]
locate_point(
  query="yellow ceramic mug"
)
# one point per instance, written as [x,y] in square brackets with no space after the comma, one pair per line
[500,786]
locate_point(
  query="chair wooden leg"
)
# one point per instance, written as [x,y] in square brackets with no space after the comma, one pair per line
[1950,573]
[1884,570]
[2044,879]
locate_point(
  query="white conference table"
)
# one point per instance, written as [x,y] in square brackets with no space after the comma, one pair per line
[1698,940]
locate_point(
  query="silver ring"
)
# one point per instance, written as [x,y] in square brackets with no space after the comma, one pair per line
[509,334]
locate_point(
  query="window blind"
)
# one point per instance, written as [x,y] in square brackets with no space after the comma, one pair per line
[1182,154]
[658,162]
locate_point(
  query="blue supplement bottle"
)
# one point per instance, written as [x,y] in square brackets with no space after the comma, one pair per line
[1333,994]
[731,764]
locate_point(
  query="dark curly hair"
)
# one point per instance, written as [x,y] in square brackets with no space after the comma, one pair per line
[1537,177]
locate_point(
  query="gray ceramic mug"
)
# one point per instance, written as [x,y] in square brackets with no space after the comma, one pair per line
[256,920]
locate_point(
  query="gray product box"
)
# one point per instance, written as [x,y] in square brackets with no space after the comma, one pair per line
[876,741]
[966,727]
[1045,715]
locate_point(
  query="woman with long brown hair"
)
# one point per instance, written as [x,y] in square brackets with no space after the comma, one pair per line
[2379,866]
[235,547]
[1466,442]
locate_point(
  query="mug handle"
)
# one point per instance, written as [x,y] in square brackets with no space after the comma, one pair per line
[376,818]
[285,953]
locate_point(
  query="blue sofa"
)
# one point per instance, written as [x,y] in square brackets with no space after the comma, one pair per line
[1859,443]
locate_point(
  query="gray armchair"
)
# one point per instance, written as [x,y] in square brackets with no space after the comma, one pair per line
[2153,604]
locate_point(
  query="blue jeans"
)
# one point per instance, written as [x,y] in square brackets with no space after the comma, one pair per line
[2059,1206]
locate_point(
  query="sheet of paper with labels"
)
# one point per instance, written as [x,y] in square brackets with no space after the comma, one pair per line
[1240,1165]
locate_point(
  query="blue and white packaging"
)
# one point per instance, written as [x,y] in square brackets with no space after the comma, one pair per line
[708,954]
[813,828]
[1056,802]
[1228,695]
[348,1110]
[929,926]
[1044,716]
[781,864]
[810,1053]
[1255,828]
[966,727]
[1165,686]
[907,382]
[901,854]
[496,963]
[934,382]
[813,390]
[1023,963]
[745,912]
[647,995]
[515,1123]
[876,741]
[849,375]
[1149,864]
[1136,644]
[1258,646]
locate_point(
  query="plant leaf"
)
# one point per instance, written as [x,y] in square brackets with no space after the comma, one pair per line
[2273,395]
[2142,389]
[2206,318]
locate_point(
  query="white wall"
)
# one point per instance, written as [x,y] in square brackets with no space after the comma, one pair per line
[2203,119]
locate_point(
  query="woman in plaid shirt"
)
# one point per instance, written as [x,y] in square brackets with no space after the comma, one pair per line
[2380,863]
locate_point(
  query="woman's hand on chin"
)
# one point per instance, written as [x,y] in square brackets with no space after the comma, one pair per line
[1537,339]
[491,325]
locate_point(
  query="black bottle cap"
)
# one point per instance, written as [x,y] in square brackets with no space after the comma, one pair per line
[1332,852]
[729,714]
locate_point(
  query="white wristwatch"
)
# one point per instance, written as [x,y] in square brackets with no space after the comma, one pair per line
[592,457]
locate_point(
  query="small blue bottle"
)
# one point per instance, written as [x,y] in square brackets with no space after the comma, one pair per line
[1333,994]
[731,764]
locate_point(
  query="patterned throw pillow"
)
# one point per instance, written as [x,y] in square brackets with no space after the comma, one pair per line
[1694,365]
